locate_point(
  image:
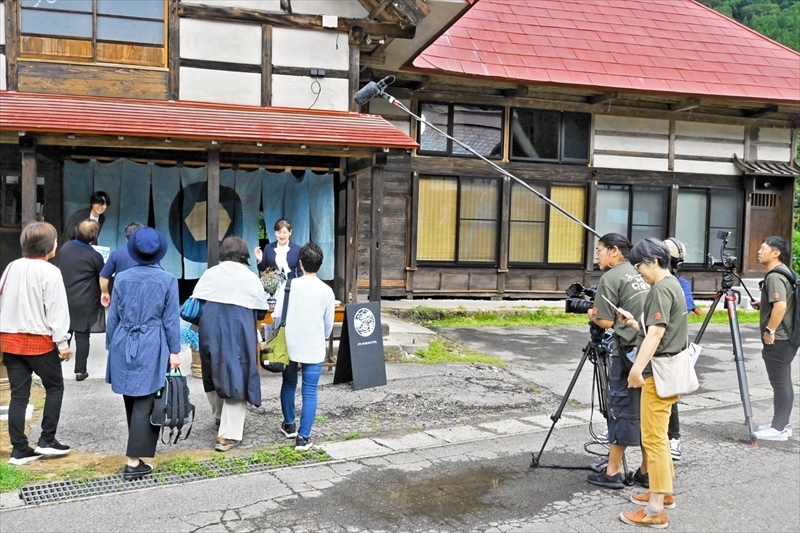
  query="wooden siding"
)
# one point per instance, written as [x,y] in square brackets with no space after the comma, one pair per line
[92,80]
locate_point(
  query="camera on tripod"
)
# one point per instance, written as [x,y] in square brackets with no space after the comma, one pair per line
[726,259]
[579,298]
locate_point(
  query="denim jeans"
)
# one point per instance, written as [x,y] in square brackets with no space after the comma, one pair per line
[310,375]
[20,367]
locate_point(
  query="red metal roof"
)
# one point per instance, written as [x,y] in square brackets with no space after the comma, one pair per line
[85,115]
[664,46]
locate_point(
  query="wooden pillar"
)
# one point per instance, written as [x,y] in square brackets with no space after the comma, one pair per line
[212,208]
[505,232]
[27,147]
[376,222]
[355,67]
[173,51]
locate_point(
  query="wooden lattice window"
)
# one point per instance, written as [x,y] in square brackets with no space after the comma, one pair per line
[101,31]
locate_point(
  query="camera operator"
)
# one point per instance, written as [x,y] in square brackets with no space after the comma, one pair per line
[624,288]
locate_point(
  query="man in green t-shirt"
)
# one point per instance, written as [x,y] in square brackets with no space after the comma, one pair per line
[619,287]
[776,312]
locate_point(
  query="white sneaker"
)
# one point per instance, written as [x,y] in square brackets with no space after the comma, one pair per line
[787,429]
[675,449]
[602,438]
[772,434]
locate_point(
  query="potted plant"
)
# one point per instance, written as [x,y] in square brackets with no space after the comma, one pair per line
[191,339]
[271,280]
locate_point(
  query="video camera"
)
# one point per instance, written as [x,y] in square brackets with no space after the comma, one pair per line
[726,259]
[579,298]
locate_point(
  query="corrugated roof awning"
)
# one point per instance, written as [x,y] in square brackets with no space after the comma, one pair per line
[83,115]
[767,168]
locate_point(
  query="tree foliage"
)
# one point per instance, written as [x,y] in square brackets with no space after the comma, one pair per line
[777,19]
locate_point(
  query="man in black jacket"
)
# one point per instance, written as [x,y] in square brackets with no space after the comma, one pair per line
[80,266]
[99,202]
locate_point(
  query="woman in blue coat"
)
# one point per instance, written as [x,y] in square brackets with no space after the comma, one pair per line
[143,341]
[233,299]
[282,254]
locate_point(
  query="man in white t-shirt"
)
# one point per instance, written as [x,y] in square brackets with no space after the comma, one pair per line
[309,322]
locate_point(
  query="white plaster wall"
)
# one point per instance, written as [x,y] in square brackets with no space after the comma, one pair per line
[342,8]
[631,144]
[405,127]
[2,23]
[779,135]
[706,167]
[713,131]
[379,106]
[218,86]
[221,41]
[634,163]
[711,149]
[2,72]
[632,125]
[295,91]
[310,49]
[773,153]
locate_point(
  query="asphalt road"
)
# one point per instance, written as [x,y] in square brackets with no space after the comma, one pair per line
[476,476]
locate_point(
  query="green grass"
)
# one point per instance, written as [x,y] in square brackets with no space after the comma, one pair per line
[442,350]
[185,464]
[352,435]
[13,478]
[542,317]
[321,418]
[81,475]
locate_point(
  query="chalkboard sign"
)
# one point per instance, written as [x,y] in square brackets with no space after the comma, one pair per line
[360,357]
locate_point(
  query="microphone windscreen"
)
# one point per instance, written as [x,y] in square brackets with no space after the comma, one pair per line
[367,93]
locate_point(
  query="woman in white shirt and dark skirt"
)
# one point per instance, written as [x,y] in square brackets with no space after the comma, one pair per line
[282,254]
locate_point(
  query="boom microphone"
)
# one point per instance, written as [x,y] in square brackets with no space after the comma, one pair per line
[371,90]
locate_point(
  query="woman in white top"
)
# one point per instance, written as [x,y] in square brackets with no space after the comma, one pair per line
[282,254]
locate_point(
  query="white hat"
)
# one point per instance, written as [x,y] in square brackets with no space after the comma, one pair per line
[676,248]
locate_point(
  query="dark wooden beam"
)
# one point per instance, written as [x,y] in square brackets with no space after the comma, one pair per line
[355,69]
[764,111]
[373,60]
[522,90]
[174,51]
[686,105]
[12,44]
[212,208]
[377,10]
[602,98]
[28,179]
[376,224]
[415,11]
[266,65]
[293,20]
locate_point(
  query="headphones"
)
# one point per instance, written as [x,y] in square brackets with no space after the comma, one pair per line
[677,262]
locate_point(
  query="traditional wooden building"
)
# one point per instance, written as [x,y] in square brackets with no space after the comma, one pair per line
[202,117]
[647,117]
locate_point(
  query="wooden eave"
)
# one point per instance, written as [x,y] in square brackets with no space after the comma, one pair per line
[165,144]
[418,86]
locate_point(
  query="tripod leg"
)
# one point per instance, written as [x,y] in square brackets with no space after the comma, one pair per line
[711,310]
[557,415]
[738,357]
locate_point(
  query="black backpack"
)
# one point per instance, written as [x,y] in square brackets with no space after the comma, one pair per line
[794,334]
[172,408]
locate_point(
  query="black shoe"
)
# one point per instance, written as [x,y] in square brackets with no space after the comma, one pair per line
[604,480]
[23,458]
[136,472]
[641,479]
[303,443]
[52,448]
[290,430]
[81,376]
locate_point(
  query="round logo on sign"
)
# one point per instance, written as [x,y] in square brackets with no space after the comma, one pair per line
[364,322]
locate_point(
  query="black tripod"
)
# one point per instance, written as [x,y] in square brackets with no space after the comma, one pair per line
[731,297]
[597,352]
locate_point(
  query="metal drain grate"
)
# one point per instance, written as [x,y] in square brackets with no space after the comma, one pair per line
[77,489]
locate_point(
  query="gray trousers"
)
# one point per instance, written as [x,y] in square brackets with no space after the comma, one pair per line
[778,362]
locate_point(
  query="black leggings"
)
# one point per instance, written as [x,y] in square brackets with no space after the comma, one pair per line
[778,362]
